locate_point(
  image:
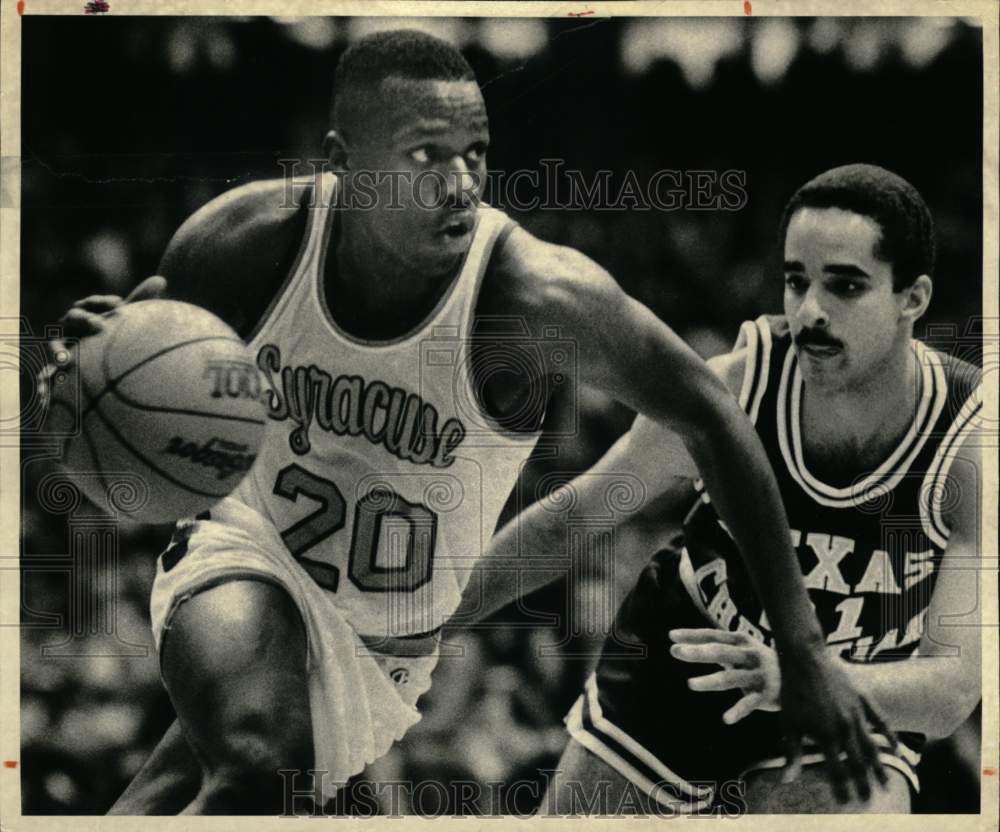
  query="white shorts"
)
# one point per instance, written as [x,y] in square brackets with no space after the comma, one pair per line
[362,700]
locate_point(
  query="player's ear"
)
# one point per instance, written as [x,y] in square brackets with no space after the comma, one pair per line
[335,148]
[917,297]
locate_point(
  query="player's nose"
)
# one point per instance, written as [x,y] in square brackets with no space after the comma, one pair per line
[811,312]
[462,183]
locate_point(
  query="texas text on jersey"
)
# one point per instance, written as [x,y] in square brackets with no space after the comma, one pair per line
[870,550]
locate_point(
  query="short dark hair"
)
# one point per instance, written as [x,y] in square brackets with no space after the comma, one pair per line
[402,53]
[907,238]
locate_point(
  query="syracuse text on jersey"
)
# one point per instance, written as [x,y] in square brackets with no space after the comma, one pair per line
[401,421]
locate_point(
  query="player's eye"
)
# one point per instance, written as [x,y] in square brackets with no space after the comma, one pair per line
[476,153]
[848,287]
[795,282]
[421,155]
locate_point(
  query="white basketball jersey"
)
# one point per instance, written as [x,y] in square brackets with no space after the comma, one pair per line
[379,470]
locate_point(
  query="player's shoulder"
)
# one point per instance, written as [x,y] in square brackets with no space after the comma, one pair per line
[529,275]
[963,432]
[731,367]
[236,218]
[233,253]
[963,378]
[756,341]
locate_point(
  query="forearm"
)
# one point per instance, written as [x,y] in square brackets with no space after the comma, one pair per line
[930,695]
[166,783]
[739,479]
[684,395]
[535,547]
[528,553]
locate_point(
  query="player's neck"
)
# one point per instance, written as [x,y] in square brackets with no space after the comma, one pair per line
[862,424]
[379,295]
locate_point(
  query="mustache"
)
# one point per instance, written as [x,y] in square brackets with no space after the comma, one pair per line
[815,338]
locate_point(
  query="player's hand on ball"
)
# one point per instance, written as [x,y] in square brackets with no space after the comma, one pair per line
[748,665]
[819,701]
[85,317]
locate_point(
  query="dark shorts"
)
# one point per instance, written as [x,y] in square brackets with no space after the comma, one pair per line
[638,715]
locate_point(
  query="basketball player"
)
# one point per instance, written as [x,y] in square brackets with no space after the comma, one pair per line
[296,621]
[872,436]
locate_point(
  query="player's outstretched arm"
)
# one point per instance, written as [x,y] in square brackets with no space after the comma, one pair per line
[530,551]
[629,353]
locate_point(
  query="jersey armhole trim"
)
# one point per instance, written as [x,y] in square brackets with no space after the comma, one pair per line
[747,336]
[934,490]
[498,236]
[755,336]
[300,257]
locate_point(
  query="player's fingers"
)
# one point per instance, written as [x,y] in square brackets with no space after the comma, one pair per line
[80,322]
[152,287]
[858,760]
[871,720]
[879,725]
[43,381]
[705,635]
[98,303]
[836,771]
[793,758]
[871,753]
[59,359]
[714,654]
[727,680]
[58,351]
[742,709]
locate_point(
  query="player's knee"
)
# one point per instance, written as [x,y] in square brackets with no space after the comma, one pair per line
[236,626]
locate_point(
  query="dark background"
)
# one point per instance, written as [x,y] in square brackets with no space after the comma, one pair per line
[130,124]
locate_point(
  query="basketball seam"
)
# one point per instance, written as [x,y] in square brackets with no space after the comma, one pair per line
[112,387]
[142,458]
[110,384]
[152,408]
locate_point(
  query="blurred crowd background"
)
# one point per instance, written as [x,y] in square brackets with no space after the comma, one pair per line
[130,124]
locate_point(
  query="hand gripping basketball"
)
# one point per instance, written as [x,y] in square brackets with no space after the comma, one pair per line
[160,403]
[86,317]
[819,701]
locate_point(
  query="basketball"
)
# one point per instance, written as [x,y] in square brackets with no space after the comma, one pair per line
[164,411]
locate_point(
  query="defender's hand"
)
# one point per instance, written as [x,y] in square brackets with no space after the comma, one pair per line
[818,700]
[748,665]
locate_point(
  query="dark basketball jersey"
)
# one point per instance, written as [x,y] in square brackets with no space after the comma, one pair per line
[870,551]
[869,554]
